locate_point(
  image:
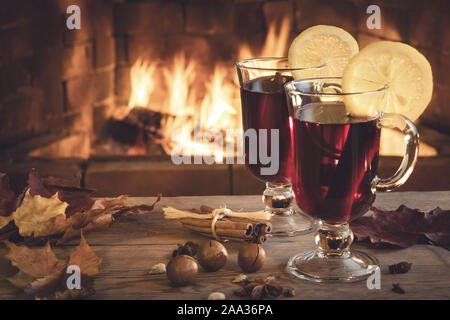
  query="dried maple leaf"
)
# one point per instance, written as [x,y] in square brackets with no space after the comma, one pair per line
[35,186]
[4,221]
[21,280]
[43,276]
[36,262]
[38,216]
[78,198]
[102,214]
[54,287]
[7,197]
[7,201]
[85,258]
[402,227]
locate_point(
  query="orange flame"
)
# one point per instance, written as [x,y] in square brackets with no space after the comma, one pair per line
[212,106]
[142,83]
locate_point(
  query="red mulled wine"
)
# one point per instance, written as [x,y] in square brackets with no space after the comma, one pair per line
[336,158]
[264,106]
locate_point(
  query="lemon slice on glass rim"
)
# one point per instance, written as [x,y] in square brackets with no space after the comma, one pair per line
[327,46]
[403,70]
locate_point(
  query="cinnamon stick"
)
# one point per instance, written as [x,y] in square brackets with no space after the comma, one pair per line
[220,224]
[229,228]
[238,239]
[220,232]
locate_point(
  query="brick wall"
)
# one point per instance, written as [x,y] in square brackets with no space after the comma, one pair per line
[57,86]
[54,81]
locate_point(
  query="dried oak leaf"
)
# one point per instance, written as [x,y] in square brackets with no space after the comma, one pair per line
[38,216]
[402,227]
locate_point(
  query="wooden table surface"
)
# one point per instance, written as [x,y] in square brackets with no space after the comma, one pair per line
[132,246]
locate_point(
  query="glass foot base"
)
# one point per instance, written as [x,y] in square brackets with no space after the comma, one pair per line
[285,219]
[350,266]
[291,224]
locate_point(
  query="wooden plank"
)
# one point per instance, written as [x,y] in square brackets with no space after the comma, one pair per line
[132,246]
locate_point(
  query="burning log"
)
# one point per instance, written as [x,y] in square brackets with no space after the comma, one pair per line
[140,126]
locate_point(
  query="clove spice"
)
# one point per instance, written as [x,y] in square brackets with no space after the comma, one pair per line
[397,289]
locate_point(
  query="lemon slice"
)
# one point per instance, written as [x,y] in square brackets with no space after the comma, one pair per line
[405,71]
[322,45]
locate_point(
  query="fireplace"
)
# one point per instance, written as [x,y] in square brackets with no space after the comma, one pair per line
[100,105]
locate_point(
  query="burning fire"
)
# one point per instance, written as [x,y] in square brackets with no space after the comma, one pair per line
[142,83]
[214,106]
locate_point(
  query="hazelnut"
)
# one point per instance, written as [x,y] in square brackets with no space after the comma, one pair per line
[182,270]
[251,257]
[212,255]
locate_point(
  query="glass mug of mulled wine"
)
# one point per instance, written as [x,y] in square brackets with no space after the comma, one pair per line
[334,178]
[266,119]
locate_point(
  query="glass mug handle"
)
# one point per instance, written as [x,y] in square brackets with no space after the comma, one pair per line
[394,120]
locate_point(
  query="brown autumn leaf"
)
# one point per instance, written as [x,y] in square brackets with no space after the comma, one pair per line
[403,226]
[35,262]
[102,214]
[7,197]
[38,216]
[43,276]
[4,221]
[54,287]
[78,198]
[85,258]
[7,201]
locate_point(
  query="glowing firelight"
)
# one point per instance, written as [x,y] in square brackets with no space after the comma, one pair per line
[142,83]
[276,43]
[214,105]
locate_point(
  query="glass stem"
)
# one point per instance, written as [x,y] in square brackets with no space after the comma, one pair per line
[278,199]
[333,240]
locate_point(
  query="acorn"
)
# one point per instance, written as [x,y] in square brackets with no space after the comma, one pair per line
[212,255]
[251,257]
[182,270]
